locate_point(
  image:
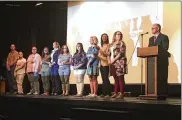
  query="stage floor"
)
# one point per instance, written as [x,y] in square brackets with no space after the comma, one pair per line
[73,106]
[169,101]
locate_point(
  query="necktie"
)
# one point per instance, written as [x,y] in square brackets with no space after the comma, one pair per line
[155,38]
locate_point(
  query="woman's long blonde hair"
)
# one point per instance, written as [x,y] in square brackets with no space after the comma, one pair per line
[58,46]
[95,40]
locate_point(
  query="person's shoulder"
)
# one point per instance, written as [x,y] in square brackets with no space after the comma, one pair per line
[164,35]
[24,60]
[83,53]
[60,55]
[38,55]
[16,52]
[151,37]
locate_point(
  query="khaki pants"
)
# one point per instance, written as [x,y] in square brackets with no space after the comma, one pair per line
[19,80]
[79,75]
[34,83]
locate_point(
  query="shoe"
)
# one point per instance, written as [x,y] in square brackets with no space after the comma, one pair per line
[78,95]
[90,95]
[20,93]
[55,94]
[101,96]
[11,92]
[36,93]
[106,97]
[45,94]
[30,93]
[52,93]
[120,96]
[114,95]
[8,93]
[94,95]
[14,93]
[66,94]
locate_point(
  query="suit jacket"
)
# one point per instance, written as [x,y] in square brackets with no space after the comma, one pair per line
[55,56]
[162,40]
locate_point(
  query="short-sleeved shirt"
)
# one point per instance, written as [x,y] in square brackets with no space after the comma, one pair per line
[12,57]
[45,64]
[64,58]
[19,63]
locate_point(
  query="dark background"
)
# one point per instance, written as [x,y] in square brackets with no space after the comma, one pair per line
[26,25]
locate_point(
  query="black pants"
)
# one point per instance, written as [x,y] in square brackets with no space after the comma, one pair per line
[55,83]
[106,86]
[11,79]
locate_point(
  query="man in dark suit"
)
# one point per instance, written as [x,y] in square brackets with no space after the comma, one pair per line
[158,38]
[162,40]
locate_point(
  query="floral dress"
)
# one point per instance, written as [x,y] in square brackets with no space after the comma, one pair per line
[120,64]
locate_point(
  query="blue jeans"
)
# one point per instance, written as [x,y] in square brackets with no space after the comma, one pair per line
[64,71]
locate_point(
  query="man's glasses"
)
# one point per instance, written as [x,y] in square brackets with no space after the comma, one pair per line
[153,28]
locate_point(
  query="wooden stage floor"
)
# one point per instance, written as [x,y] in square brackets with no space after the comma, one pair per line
[76,108]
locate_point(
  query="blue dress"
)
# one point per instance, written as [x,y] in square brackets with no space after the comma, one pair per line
[93,61]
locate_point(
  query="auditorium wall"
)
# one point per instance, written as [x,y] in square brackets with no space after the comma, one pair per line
[94,18]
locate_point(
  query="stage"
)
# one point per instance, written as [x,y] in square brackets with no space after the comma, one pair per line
[73,108]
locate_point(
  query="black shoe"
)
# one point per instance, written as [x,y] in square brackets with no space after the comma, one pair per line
[11,92]
[15,93]
[101,96]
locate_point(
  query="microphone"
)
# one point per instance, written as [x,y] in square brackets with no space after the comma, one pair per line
[145,33]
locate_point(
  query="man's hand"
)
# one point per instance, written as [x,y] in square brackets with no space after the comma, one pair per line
[15,74]
[8,68]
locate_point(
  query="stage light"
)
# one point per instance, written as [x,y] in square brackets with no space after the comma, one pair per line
[39,3]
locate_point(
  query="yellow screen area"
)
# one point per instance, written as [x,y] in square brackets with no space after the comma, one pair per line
[131,18]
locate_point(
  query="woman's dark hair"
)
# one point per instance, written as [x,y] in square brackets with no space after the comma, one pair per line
[61,51]
[107,41]
[81,46]
[43,54]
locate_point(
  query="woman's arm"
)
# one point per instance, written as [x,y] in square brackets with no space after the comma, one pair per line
[122,51]
[69,62]
[59,61]
[38,60]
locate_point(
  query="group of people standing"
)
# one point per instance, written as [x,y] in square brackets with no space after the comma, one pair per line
[56,66]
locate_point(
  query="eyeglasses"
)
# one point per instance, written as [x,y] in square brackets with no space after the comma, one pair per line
[64,48]
[118,34]
[153,28]
[34,49]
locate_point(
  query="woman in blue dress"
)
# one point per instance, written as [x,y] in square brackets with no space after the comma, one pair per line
[92,66]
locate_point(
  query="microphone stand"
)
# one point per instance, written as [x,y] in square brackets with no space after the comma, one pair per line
[141,65]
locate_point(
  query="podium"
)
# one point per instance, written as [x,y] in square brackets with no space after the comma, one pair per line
[156,72]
